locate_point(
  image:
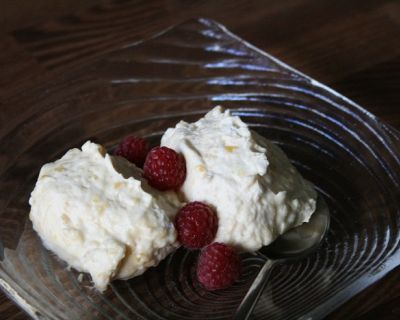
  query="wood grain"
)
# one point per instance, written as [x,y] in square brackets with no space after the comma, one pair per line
[353,46]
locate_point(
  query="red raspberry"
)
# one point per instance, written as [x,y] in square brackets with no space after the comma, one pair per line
[218,266]
[196,224]
[164,168]
[134,149]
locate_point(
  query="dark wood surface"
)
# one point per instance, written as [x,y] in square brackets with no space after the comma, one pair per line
[352,46]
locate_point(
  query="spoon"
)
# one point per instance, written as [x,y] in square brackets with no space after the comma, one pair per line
[297,243]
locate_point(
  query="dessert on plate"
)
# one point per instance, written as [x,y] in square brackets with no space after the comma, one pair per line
[97,213]
[257,193]
[213,185]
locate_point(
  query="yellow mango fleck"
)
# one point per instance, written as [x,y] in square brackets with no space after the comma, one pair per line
[230,148]
[241,173]
[118,185]
[102,208]
[65,218]
[136,200]
[201,168]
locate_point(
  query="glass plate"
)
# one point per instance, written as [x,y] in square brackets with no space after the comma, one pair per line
[351,157]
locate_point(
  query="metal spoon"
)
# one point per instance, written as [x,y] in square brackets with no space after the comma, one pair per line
[297,243]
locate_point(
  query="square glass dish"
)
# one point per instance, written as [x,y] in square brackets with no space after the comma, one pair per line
[352,158]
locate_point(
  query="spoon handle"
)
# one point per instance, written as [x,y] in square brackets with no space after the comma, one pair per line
[250,300]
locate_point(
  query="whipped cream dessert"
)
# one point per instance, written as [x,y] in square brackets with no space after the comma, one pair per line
[257,193]
[98,214]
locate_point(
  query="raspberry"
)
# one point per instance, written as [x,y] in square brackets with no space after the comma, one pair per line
[218,266]
[164,168]
[134,149]
[196,224]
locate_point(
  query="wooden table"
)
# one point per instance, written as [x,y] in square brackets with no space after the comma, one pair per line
[353,46]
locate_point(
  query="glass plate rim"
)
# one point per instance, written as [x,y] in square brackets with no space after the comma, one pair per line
[16,292]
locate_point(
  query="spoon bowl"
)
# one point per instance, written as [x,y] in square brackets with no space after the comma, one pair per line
[302,240]
[294,244]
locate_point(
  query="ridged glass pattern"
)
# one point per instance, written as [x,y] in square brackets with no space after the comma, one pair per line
[351,157]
